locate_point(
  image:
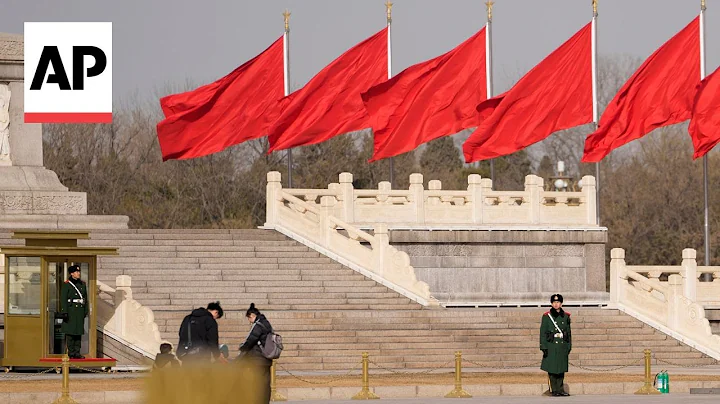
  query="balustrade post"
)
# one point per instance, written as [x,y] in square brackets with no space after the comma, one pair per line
[674,293]
[617,275]
[689,273]
[123,292]
[326,228]
[274,187]
[534,189]
[589,189]
[475,190]
[347,198]
[382,239]
[417,189]
[434,185]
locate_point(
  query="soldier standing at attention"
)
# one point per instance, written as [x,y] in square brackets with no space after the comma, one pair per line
[74,302]
[556,344]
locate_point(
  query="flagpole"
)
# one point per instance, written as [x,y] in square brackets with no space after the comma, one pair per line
[703,7]
[488,71]
[286,78]
[388,9]
[595,105]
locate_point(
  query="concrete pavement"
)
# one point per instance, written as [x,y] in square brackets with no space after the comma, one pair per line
[679,398]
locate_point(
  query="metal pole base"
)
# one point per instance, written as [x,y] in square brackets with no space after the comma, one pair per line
[275,396]
[458,393]
[65,400]
[647,389]
[365,394]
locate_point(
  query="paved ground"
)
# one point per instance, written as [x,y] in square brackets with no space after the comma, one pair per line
[624,399]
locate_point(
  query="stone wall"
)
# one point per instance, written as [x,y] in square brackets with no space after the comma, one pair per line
[517,265]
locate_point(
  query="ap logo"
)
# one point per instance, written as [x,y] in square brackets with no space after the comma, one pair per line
[68,72]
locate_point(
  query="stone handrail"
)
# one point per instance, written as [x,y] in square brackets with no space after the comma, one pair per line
[478,205]
[317,227]
[693,276]
[668,306]
[124,318]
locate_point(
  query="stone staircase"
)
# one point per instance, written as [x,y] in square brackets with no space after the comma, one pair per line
[329,314]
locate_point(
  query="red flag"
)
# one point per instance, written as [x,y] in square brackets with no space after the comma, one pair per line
[238,107]
[705,123]
[555,95]
[660,93]
[330,103]
[428,100]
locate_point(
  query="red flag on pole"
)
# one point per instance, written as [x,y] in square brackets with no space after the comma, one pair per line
[428,100]
[705,123]
[555,95]
[330,103]
[660,93]
[238,107]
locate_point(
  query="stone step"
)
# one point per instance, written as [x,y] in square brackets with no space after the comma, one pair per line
[195,295]
[193,269]
[221,288]
[286,307]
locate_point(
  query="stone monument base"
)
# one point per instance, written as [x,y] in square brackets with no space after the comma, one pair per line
[508,265]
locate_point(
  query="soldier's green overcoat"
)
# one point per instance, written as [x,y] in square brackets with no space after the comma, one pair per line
[558,348]
[76,311]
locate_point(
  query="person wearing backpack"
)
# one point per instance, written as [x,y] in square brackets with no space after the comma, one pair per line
[251,351]
[199,335]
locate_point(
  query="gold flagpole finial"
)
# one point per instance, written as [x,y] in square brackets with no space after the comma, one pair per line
[286,17]
[595,7]
[489,5]
[388,8]
[703,7]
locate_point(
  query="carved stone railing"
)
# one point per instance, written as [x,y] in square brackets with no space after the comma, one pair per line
[700,283]
[317,226]
[668,306]
[125,319]
[434,207]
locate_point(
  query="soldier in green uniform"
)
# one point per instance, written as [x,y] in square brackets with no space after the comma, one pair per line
[74,302]
[555,343]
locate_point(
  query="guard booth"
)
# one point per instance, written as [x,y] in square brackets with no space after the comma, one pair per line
[34,274]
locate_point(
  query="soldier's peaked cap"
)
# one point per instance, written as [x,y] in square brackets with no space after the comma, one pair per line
[73,268]
[556,298]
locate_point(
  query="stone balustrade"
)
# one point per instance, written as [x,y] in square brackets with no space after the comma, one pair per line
[319,227]
[477,206]
[699,283]
[125,319]
[672,306]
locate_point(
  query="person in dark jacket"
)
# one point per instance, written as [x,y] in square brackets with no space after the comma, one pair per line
[251,350]
[556,344]
[199,335]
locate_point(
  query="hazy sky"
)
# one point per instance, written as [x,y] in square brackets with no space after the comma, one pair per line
[160,42]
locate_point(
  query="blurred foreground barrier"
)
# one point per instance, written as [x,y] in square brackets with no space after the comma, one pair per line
[217,384]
